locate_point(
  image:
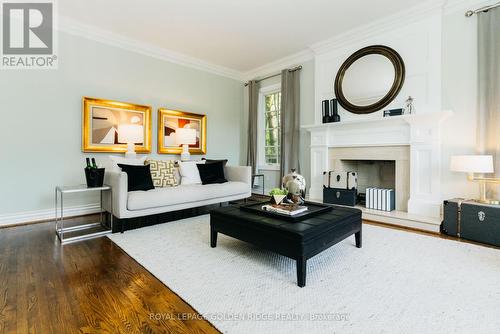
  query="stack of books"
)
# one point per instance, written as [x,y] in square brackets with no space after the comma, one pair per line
[380,199]
[285,209]
[393,112]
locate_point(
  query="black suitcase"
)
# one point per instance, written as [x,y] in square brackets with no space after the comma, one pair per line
[451,211]
[480,222]
[340,196]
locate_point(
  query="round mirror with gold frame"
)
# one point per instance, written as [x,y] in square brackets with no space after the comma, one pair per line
[369,79]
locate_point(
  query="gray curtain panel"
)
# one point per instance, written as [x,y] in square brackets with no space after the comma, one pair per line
[253,106]
[489,88]
[290,121]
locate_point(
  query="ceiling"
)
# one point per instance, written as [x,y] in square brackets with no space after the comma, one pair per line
[237,34]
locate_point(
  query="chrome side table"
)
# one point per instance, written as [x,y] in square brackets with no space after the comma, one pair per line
[256,176]
[61,230]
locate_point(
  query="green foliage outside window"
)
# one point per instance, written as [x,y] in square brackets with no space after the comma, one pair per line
[272,116]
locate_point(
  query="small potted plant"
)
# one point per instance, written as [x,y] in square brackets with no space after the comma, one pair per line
[277,195]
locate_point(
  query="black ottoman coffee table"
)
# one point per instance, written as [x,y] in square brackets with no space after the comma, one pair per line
[297,238]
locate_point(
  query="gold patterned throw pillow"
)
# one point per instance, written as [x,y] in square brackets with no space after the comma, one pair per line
[162,172]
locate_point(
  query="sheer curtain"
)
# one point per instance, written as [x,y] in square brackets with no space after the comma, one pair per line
[253,106]
[489,87]
[290,121]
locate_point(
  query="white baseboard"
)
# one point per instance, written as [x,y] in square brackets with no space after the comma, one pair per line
[404,219]
[38,215]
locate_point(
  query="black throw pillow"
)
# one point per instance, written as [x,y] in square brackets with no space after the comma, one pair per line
[211,161]
[139,177]
[212,172]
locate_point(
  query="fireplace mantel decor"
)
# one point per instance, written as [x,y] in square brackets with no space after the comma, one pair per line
[367,96]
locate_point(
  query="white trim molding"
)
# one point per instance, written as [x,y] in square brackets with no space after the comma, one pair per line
[12,219]
[350,37]
[73,27]
[279,64]
[452,6]
[378,27]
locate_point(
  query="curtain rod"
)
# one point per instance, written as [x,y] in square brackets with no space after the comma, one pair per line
[297,68]
[469,13]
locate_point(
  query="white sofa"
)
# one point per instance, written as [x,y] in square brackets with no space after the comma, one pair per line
[160,200]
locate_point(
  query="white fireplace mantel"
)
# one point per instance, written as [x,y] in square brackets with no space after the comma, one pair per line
[422,132]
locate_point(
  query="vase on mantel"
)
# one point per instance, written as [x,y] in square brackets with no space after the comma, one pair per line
[334,110]
[409,108]
[330,112]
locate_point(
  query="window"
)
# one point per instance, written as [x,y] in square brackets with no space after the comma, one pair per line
[272,129]
[269,127]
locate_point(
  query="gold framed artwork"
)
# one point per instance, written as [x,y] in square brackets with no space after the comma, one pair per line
[169,121]
[108,126]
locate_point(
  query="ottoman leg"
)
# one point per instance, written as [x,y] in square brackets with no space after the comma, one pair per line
[359,241]
[301,272]
[213,237]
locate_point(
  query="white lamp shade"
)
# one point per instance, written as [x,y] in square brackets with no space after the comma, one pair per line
[472,163]
[185,136]
[130,133]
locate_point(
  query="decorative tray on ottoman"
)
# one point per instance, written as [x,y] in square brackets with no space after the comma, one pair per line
[313,209]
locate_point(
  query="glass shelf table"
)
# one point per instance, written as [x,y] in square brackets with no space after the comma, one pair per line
[61,230]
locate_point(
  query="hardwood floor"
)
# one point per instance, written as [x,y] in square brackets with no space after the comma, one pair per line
[428,233]
[87,287]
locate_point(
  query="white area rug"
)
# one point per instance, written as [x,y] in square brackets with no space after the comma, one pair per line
[399,282]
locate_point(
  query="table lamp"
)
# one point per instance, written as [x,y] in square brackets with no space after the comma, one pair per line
[185,137]
[472,164]
[130,134]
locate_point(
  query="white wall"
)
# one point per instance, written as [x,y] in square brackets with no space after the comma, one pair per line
[418,43]
[40,127]
[460,85]
[440,54]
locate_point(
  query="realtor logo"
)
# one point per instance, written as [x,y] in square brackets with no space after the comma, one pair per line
[28,35]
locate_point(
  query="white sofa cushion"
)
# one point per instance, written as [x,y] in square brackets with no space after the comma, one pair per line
[163,197]
[115,160]
[189,172]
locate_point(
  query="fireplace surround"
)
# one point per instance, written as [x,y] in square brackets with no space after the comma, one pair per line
[377,166]
[413,141]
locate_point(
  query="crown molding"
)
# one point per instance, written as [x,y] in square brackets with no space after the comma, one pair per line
[452,6]
[378,27]
[402,18]
[392,22]
[76,28]
[277,65]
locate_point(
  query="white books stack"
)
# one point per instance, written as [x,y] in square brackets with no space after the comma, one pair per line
[380,199]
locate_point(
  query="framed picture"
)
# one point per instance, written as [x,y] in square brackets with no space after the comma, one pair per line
[169,121]
[108,126]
